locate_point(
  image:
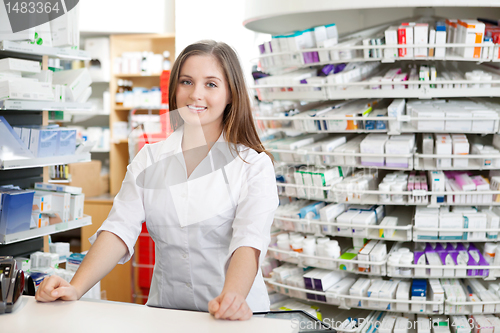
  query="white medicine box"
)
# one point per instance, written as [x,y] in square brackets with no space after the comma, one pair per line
[75,81]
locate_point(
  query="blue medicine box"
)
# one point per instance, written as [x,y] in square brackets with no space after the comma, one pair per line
[15,215]
[419,288]
[67,142]
[44,141]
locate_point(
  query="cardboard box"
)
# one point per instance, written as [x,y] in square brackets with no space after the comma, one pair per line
[67,142]
[60,206]
[19,65]
[15,215]
[76,206]
[26,89]
[44,141]
[75,81]
[88,177]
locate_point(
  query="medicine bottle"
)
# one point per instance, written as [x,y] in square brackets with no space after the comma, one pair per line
[404,250]
[332,250]
[398,186]
[320,248]
[119,93]
[309,248]
[393,267]
[489,252]
[283,244]
[384,187]
[390,177]
[406,259]
[297,246]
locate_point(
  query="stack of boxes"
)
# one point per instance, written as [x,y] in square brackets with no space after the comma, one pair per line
[54,204]
[47,141]
[24,80]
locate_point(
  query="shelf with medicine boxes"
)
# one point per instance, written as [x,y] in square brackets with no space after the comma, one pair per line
[303,153]
[23,105]
[416,161]
[137,82]
[373,80]
[23,48]
[43,231]
[371,186]
[348,220]
[440,296]
[422,37]
[346,301]
[466,116]
[392,223]
[393,197]
[304,260]
[401,232]
[489,50]
[462,277]
[23,163]
[429,260]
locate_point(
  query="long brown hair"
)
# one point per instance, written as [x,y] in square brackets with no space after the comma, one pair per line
[237,120]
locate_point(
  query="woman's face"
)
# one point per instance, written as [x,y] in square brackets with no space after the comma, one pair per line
[202,92]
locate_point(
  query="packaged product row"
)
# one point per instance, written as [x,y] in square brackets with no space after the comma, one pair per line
[25,80]
[452,225]
[46,204]
[444,260]
[129,96]
[382,115]
[370,256]
[460,223]
[358,80]
[40,265]
[99,135]
[424,296]
[366,321]
[144,63]
[36,141]
[437,188]
[427,151]
[293,49]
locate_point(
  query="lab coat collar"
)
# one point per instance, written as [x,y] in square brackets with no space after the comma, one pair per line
[173,144]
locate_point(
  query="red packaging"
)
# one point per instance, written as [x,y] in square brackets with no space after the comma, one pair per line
[146,260]
[402,40]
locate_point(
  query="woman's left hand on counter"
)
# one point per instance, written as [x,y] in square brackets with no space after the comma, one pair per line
[230,305]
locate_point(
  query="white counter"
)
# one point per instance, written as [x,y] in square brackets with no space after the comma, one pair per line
[105,316]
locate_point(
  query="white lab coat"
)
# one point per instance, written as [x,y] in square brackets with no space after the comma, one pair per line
[196,223]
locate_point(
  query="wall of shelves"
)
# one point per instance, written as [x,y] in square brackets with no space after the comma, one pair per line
[24,173]
[280,18]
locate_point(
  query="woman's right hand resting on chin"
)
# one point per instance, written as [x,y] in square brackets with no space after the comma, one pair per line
[55,287]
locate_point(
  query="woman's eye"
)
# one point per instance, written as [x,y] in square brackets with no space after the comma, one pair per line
[185,82]
[212,85]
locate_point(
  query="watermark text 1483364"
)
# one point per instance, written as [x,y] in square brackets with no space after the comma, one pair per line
[24,14]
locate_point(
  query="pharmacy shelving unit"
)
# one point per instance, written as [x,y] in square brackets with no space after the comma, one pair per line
[283,16]
[25,172]
[157,43]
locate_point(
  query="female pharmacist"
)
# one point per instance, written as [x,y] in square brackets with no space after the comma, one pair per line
[207,193]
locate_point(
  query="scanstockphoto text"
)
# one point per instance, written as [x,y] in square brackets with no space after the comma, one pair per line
[337,324]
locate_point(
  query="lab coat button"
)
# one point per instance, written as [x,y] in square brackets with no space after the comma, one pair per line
[188,285]
[185,256]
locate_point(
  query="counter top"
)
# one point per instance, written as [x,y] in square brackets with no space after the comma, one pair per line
[106,316]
